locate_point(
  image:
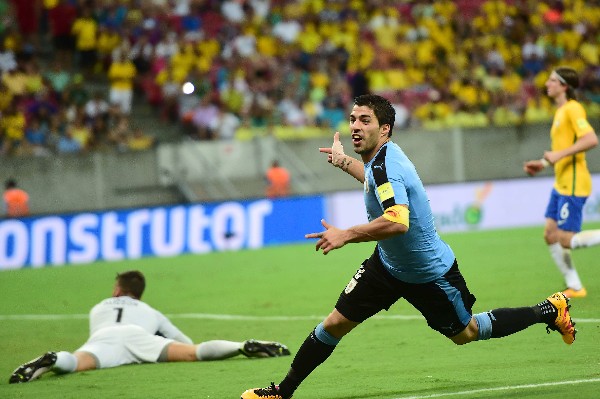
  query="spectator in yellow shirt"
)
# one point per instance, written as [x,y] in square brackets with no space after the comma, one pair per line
[5,97]
[85,30]
[139,141]
[108,40]
[34,82]
[538,110]
[12,129]
[81,132]
[121,74]
[16,81]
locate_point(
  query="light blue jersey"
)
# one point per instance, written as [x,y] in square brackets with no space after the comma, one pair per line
[419,255]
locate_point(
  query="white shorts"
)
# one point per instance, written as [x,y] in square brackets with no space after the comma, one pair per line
[122,98]
[119,345]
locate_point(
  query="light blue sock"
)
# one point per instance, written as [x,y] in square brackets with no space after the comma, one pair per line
[323,336]
[484,322]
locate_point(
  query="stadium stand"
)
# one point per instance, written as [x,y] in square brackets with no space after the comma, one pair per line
[208,70]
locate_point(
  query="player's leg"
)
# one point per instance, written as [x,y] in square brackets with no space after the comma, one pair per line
[553,311]
[370,290]
[563,214]
[317,347]
[81,361]
[571,237]
[221,349]
[562,255]
[33,369]
[179,352]
[256,348]
[584,239]
[446,303]
[58,362]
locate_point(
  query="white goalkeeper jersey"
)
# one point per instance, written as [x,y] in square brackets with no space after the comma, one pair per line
[125,310]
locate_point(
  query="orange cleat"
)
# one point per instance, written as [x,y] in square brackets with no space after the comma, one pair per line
[571,293]
[563,323]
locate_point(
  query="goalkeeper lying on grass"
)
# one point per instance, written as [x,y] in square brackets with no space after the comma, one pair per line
[125,330]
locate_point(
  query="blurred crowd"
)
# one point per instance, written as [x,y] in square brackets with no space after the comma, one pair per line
[211,67]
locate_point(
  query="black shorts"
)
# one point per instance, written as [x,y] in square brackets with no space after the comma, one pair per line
[87,58]
[63,42]
[445,302]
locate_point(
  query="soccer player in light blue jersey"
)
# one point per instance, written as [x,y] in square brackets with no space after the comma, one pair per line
[410,260]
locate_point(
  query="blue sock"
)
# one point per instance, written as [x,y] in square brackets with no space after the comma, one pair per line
[323,336]
[484,323]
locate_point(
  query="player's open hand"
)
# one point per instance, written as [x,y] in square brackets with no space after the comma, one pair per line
[336,152]
[330,239]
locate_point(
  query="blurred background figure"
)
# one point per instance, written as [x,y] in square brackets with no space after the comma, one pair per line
[278,179]
[140,141]
[16,200]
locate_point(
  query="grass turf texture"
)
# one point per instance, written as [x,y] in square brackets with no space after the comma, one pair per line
[385,358]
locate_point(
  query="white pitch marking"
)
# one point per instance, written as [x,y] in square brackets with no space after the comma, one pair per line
[230,317]
[506,388]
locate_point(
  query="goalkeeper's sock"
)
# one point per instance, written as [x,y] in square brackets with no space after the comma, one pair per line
[501,322]
[66,362]
[315,350]
[217,350]
[564,262]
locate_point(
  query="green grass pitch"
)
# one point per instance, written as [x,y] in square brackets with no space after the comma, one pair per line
[281,293]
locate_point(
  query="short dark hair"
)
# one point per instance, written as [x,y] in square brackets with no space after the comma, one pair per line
[10,183]
[570,76]
[383,109]
[132,283]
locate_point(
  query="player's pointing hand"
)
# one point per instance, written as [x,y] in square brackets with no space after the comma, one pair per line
[335,152]
[330,239]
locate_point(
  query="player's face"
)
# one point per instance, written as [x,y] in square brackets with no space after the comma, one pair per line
[554,87]
[367,135]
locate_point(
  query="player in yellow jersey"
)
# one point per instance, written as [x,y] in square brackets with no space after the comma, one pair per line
[571,136]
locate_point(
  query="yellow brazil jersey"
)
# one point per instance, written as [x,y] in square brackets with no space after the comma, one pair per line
[572,174]
[50,4]
[121,75]
[13,126]
[85,30]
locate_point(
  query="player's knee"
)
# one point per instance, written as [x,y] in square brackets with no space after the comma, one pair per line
[565,239]
[462,340]
[337,325]
[550,237]
[469,334]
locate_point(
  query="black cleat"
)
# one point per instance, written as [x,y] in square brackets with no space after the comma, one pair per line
[254,348]
[33,369]
[271,392]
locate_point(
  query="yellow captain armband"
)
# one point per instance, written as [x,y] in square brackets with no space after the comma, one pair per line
[397,214]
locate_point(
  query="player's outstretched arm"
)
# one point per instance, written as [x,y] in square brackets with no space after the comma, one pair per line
[337,157]
[334,238]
